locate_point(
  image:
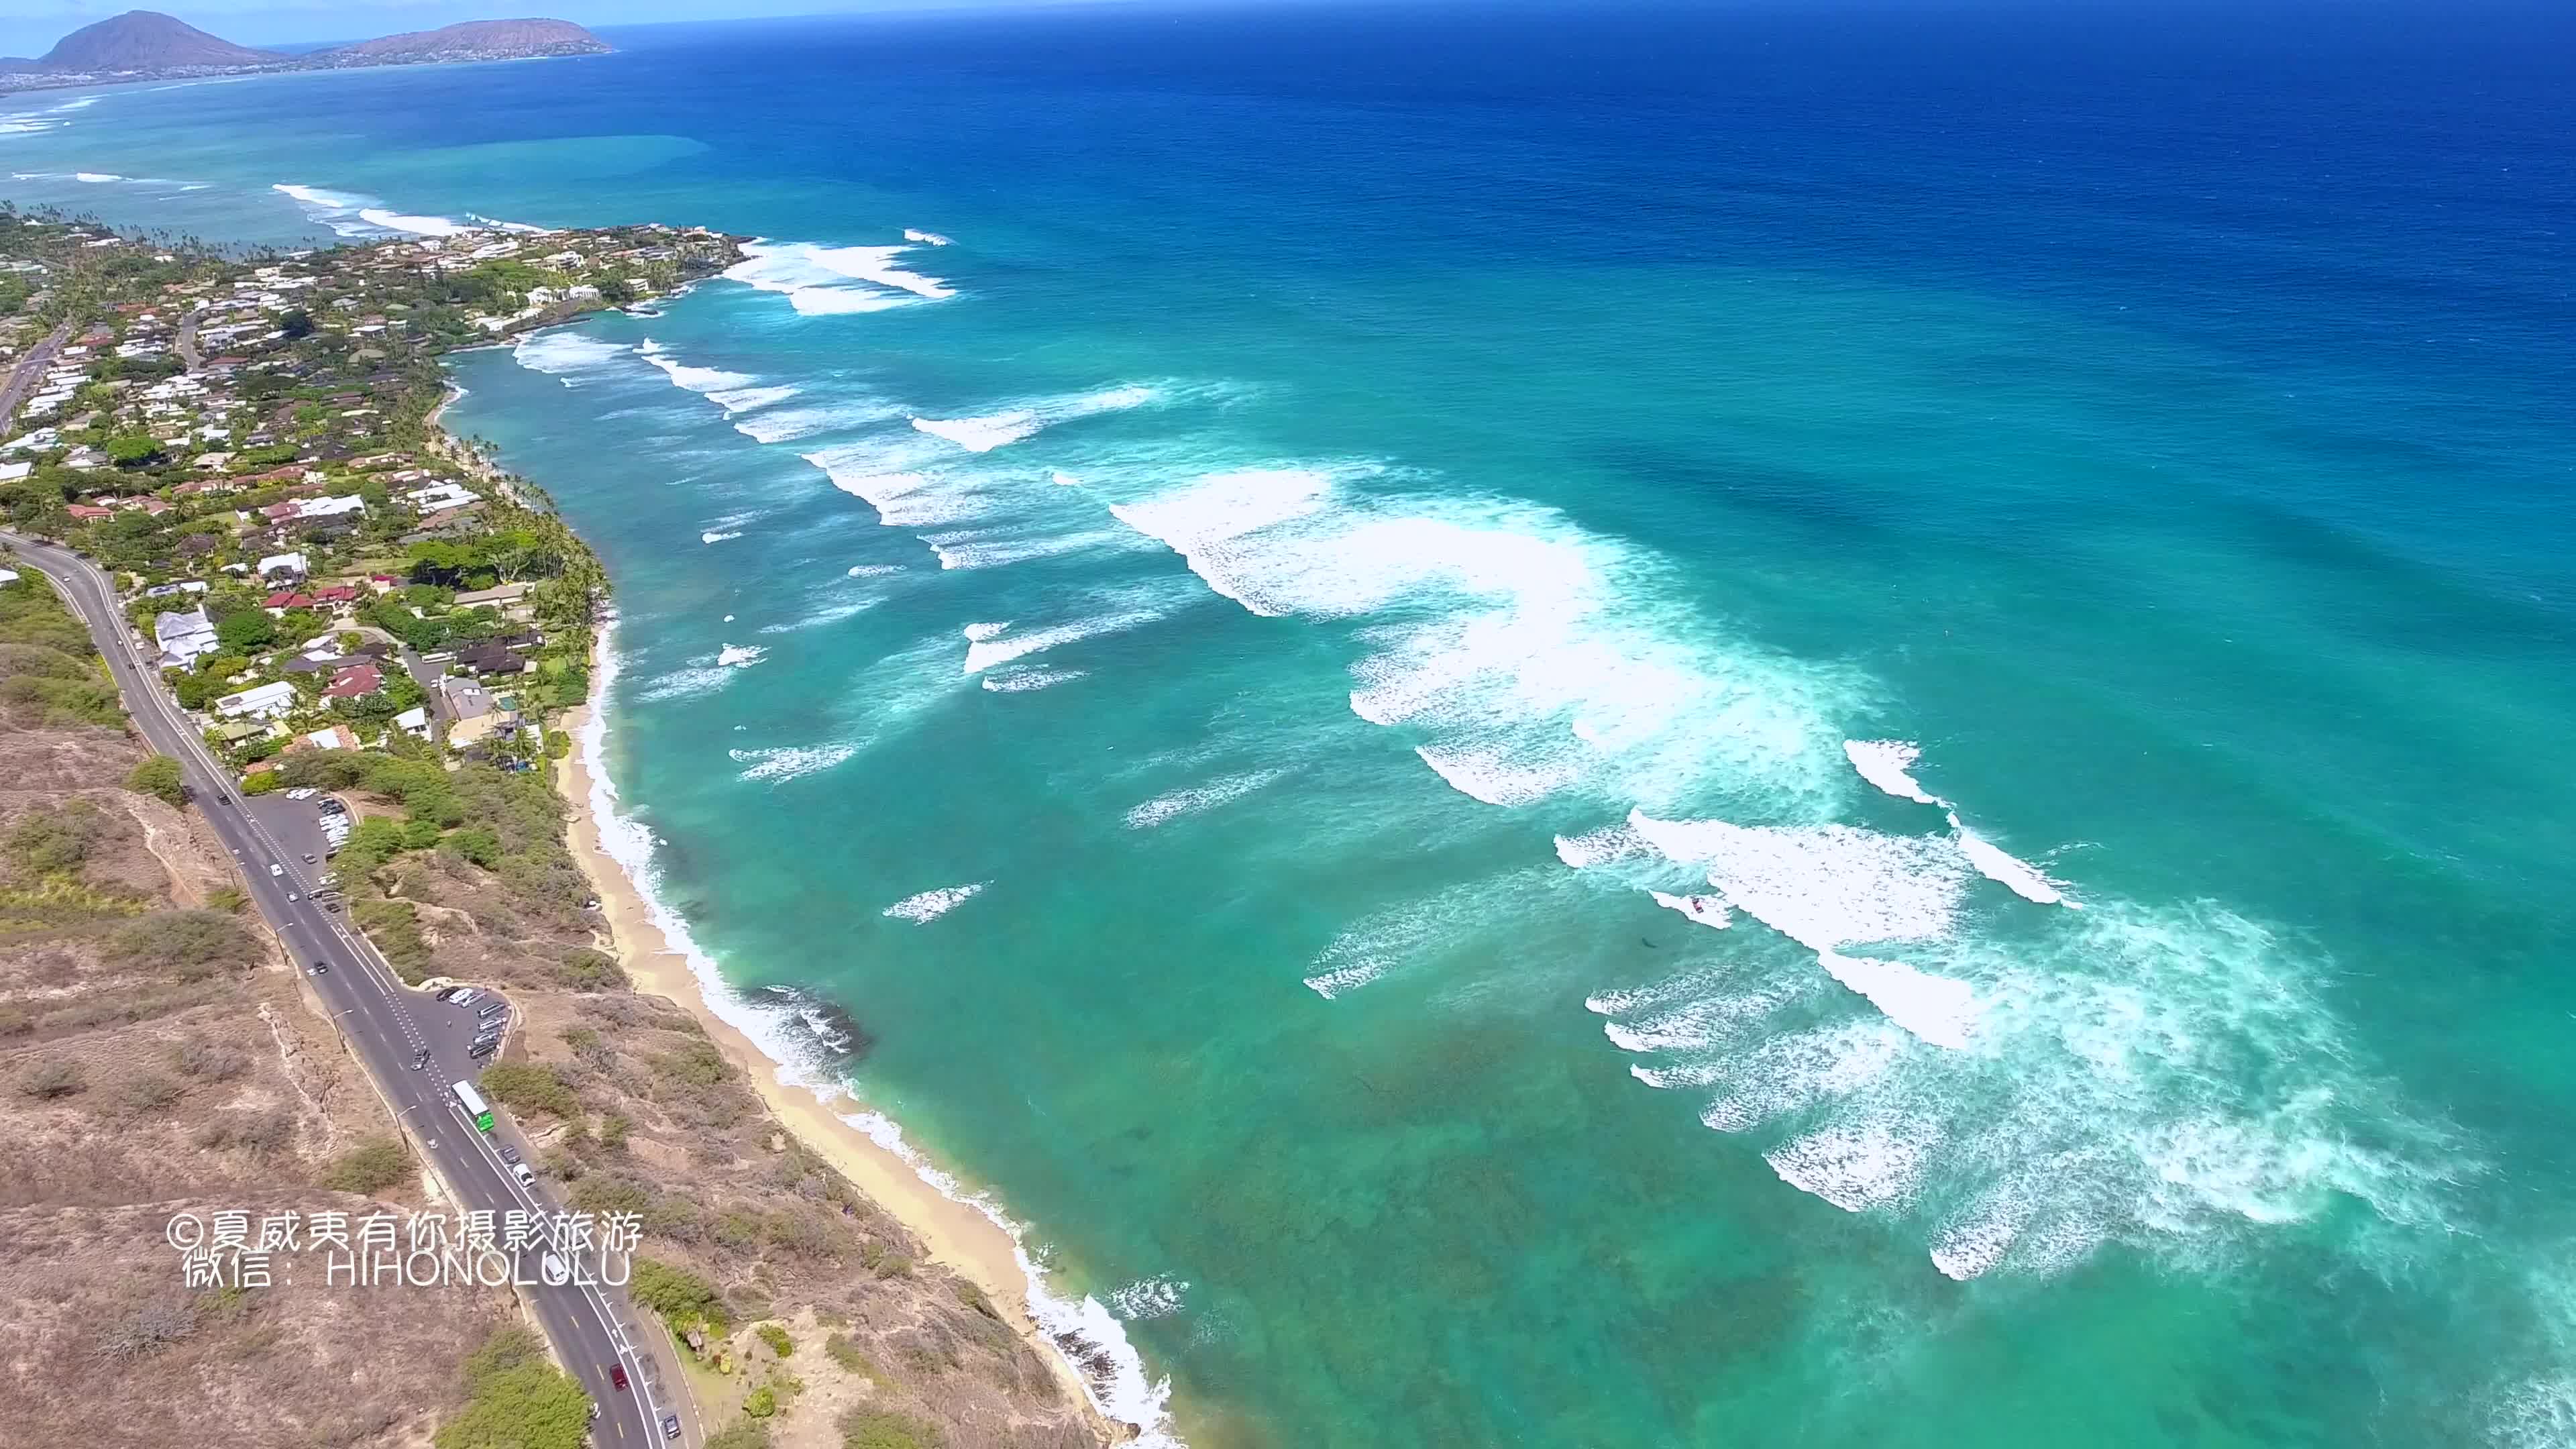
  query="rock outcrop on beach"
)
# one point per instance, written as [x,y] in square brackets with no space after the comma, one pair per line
[473,40]
[148,40]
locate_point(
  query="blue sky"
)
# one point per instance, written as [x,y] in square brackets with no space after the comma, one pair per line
[30,27]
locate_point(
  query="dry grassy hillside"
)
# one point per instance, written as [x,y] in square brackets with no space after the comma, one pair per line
[156,1055]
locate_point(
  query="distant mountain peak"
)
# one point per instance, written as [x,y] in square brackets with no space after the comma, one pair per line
[147,40]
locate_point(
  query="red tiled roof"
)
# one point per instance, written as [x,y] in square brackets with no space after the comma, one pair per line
[288,599]
[355,680]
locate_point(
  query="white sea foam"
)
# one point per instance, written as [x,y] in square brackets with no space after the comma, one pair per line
[1699,910]
[1165,808]
[1004,645]
[685,683]
[926,238]
[824,281]
[2158,1077]
[974,548]
[1083,1330]
[1149,1297]
[701,380]
[1418,932]
[1062,479]
[984,434]
[1995,865]
[559,351]
[1537,657]
[740,655]
[356,214]
[1089,1338]
[1605,846]
[95,178]
[1027,678]
[713,537]
[1855,1169]
[1887,764]
[930,905]
[1935,1008]
[778,765]
[416,225]
[1823,886]
[873,571]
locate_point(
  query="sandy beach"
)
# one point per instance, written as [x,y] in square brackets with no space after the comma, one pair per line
[955,1235]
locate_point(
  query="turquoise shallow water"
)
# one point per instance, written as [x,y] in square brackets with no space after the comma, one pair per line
[1400,552]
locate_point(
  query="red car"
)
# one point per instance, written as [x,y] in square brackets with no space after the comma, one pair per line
[617,1374]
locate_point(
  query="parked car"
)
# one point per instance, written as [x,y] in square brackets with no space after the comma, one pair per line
[617,1374]
[670,1426]
[527,1177]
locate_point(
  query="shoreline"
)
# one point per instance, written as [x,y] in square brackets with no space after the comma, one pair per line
[967,1238]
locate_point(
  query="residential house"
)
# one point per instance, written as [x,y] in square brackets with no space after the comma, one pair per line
[505,594]
[266,701]
[356,681]
[337,737]
[289,563]
[490,656]
[184,638]
[469,706]
[414,721]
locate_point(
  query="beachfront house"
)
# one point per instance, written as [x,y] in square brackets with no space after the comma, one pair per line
[470,710]
[266,701]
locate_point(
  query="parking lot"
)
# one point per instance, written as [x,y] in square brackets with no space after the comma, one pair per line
[301,827]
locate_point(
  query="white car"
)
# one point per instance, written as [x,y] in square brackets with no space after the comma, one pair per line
[520,1171]
[276,869]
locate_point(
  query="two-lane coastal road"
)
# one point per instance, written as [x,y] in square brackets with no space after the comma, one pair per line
[592,1328]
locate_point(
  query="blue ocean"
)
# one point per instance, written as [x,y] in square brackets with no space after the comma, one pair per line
[1828,725]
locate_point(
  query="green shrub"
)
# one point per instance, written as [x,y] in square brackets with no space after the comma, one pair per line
[157,776]
[698,1064]
[190,942]
[761,1403]
[516,1400]
[532,1085]
[878,1429]
[684,1299]
[584,969]
[371,1166]
[611,1194]
[740,1434]
[777,1339]
[54,842]
[51,1081]
[395,928]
